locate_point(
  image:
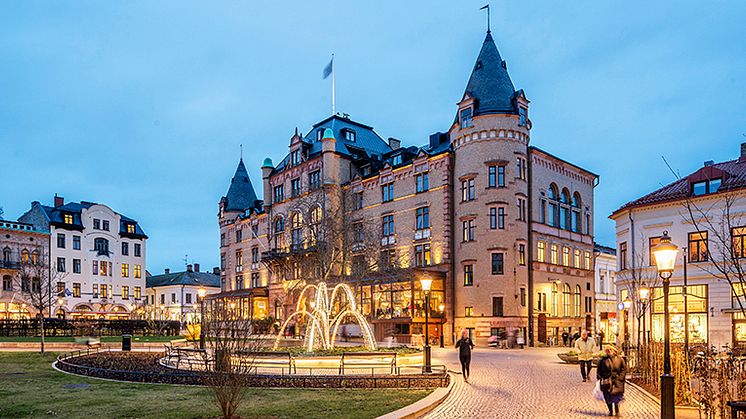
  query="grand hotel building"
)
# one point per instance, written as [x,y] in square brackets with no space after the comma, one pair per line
[503,228]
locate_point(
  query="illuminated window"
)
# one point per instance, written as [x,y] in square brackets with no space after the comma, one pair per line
[588,260]
[576,258]
[76,289]
[522,254]
[137,271]
[67,218]
[468,275]
[577,301]
[125,292]
[130,228]
[468,311]
[738,235]
[541,252]
[138,294]
[554,255]
[125,270]
[422,254]
[698,246]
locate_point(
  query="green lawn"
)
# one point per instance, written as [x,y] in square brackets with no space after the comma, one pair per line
[114,339]
[29,387]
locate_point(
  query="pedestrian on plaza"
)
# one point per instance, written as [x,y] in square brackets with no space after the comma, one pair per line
[465,345]
[585,346]
[611,373]
[565,335]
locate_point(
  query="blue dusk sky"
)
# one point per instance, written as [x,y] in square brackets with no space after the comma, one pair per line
[142,105]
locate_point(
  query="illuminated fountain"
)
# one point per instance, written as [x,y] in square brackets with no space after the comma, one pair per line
[322,322]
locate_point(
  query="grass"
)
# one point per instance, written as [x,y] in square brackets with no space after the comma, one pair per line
[29,387]
[70,339]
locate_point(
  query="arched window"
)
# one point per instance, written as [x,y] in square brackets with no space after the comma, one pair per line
[296,233]
[576,218]
[564,212]
[315,216]
[101,245]
[279,225]
[7,283]
[567,300]
[24,256]
[35,257]
[577,301]
[554,299]
[6,255]
[279,229]
[552,195]
[278,310]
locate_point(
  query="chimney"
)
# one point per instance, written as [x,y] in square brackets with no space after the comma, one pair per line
[216,271]
[709,163]
[60,201]
[394,143]
[167,271]
[743,153]
[189,268]
[196,267]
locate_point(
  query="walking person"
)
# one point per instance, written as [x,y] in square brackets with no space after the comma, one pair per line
[465,345]
[585,347]
[611,372]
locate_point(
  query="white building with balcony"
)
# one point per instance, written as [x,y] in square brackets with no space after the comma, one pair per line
[99,257]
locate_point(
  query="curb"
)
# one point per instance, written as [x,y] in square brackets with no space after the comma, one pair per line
[657,401]
[423,406]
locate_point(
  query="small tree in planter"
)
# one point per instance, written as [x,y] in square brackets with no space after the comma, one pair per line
[230,343]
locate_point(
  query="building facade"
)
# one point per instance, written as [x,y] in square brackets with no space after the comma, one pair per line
[20,243]
[174,295]
[606,296]
[702,213]
[98,257]
[501,227]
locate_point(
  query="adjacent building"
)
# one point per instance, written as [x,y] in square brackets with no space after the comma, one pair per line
[606,297]
[703,214]
[504,229]
[21,243]
[174,295]
[98,257]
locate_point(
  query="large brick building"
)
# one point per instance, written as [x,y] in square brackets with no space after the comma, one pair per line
[503,228]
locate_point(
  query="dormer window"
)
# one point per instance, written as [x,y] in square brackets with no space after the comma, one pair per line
[396,160]
[350,135]
[131,228]
[319,134]
[706,187]
[67,218]
[466,118]
[295,157]
[522,116]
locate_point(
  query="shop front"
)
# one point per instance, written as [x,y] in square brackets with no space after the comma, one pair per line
[694,318]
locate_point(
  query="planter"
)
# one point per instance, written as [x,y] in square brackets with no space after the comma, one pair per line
[569,358]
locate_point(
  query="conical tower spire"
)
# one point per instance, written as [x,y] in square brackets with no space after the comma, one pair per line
[241,195]
[490,83]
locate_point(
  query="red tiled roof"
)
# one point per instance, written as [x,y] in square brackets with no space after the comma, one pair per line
[733,173]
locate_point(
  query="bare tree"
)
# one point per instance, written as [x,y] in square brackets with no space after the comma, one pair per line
[231,347]
[37,284]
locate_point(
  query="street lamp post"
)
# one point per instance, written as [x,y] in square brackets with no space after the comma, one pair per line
[644,294]
[441,308]
[426,283]
[201,292]
[627,304]
[665,259]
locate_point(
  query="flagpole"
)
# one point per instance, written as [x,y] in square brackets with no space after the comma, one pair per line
[333,85]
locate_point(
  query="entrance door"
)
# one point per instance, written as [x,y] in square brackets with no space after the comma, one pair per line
[542,333]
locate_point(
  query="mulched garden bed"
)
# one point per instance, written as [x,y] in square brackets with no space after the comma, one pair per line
[144,368]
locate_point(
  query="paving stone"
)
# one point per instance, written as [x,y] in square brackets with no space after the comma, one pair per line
[530,383]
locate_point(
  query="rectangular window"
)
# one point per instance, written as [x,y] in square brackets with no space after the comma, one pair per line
[350,135]
[295,157]
[467,190]
[239,235]
[468,311]
[125,292]
[76,242]
[522,254]
[278,193]
[492,177]
[388,225]
[105,225]
[468,230]
[738,235]
[188,298]
[314,180]
[104,291]
[565,256]
[102,268]
[706,187]
[125,270]
[422,255]
[76,289]
[60,240]
[522,117]
[493,218]
[521,209]
[95,267]
[576,258]
[652,242]
[125,249]
[466,118]
[500,176]
[138,274]
[163,298]
[60,289]
[554,255]
[131,228]
[501,218]
[422,182]
[387,192]
[357,201]
[61,265]
[295,187]
[76,266]
[254,255]
[587,260]
[698,246]
[468,275]
[173,297]
[498,260]
[497,306]
[239,260]
[521,166]
[523,297]
[138,250]
[67,218]
[423,218]
[222,239]
[388,259]
[138,293]
[541,252]
[622,256]
[95,290]
[96,224]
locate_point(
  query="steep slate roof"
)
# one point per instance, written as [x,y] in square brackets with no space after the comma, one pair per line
[55,216]
[490,83]
[241,195]
[734,177]
[205,279]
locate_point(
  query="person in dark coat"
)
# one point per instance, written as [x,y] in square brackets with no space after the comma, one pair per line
[612,372]
[465,345]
